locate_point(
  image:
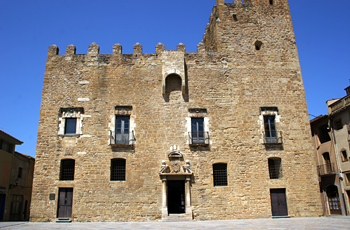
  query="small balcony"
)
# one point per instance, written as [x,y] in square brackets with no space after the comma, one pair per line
[326,169]
[122,139]
[273,137]
[199,138]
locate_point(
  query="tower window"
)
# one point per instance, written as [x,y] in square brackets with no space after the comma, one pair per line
[235,17]
[258,45]
[220,174]
[275,168]
[344,156]
[118,170]
[271,2]
[67,169]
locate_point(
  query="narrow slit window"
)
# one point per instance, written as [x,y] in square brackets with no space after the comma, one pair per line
[271,2]
[344,155]
[235,17]
[258,45]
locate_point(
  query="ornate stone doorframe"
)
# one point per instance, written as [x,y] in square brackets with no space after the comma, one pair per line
[175,171]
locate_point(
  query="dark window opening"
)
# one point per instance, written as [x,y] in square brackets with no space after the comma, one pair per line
[348,179]
[338,124]
[271,2]
[220,174]
[198,135]
[344,155]
[67,169]
[4,145]
[70,126]
[20,171]
[323,133]
[118,170]
[258,45]
[275,168]
[122,130]
[235,17]
[270,129]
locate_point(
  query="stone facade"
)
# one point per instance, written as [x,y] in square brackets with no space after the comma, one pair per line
[245,72]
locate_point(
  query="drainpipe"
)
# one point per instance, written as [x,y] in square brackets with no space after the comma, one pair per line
[344,212]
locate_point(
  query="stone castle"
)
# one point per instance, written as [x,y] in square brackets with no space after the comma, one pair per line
[220,133]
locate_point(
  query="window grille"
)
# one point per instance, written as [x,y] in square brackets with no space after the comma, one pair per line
[67,169]
[118,170]
[275,168]
[220,174]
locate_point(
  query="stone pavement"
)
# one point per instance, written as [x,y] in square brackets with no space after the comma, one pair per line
[288,223]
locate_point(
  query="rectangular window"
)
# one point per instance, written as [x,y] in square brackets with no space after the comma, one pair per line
[270,129]
[220,174]
[122,127]
[70,126]
[4,145]
[20,170]
[197,129]
[275,168]
[118,170]
[67,169]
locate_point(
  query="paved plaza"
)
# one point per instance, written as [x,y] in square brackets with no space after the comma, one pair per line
[289,223]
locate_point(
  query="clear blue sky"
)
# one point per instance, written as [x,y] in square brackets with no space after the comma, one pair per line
[28,27]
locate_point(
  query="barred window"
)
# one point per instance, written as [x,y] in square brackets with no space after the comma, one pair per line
[220,174]
[118,170]
[275,168]
[67,169]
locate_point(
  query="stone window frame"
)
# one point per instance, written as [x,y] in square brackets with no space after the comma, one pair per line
[67,113]
[197,113]
[268,111]
[121,110]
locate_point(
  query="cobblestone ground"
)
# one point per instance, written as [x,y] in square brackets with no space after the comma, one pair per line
[292,223]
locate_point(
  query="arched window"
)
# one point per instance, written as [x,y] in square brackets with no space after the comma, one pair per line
[67,169]
[173,83]
[220,174]
[275,169]
[118,170]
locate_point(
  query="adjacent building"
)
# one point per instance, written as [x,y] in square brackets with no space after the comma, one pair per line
[331,143]
[220,133]
[16,178]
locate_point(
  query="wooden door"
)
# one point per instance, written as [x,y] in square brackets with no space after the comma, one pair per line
[278,202]
[65,201]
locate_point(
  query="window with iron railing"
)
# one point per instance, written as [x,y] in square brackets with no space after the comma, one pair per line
[118,170]
[67,169]
[275,169]
[220,174]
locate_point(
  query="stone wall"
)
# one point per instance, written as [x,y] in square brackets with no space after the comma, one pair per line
[227,76]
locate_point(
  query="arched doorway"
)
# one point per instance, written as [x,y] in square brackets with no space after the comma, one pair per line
[333,200]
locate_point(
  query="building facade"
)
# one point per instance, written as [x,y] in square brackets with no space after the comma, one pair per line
[16,178]
[220,133]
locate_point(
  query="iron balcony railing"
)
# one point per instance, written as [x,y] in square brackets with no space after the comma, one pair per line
[122,138]
[199,138]
[326,169]
[273,137]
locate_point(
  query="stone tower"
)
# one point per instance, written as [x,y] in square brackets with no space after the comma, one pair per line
[221,133]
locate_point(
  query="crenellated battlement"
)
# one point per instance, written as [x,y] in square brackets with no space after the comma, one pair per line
[94,50]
